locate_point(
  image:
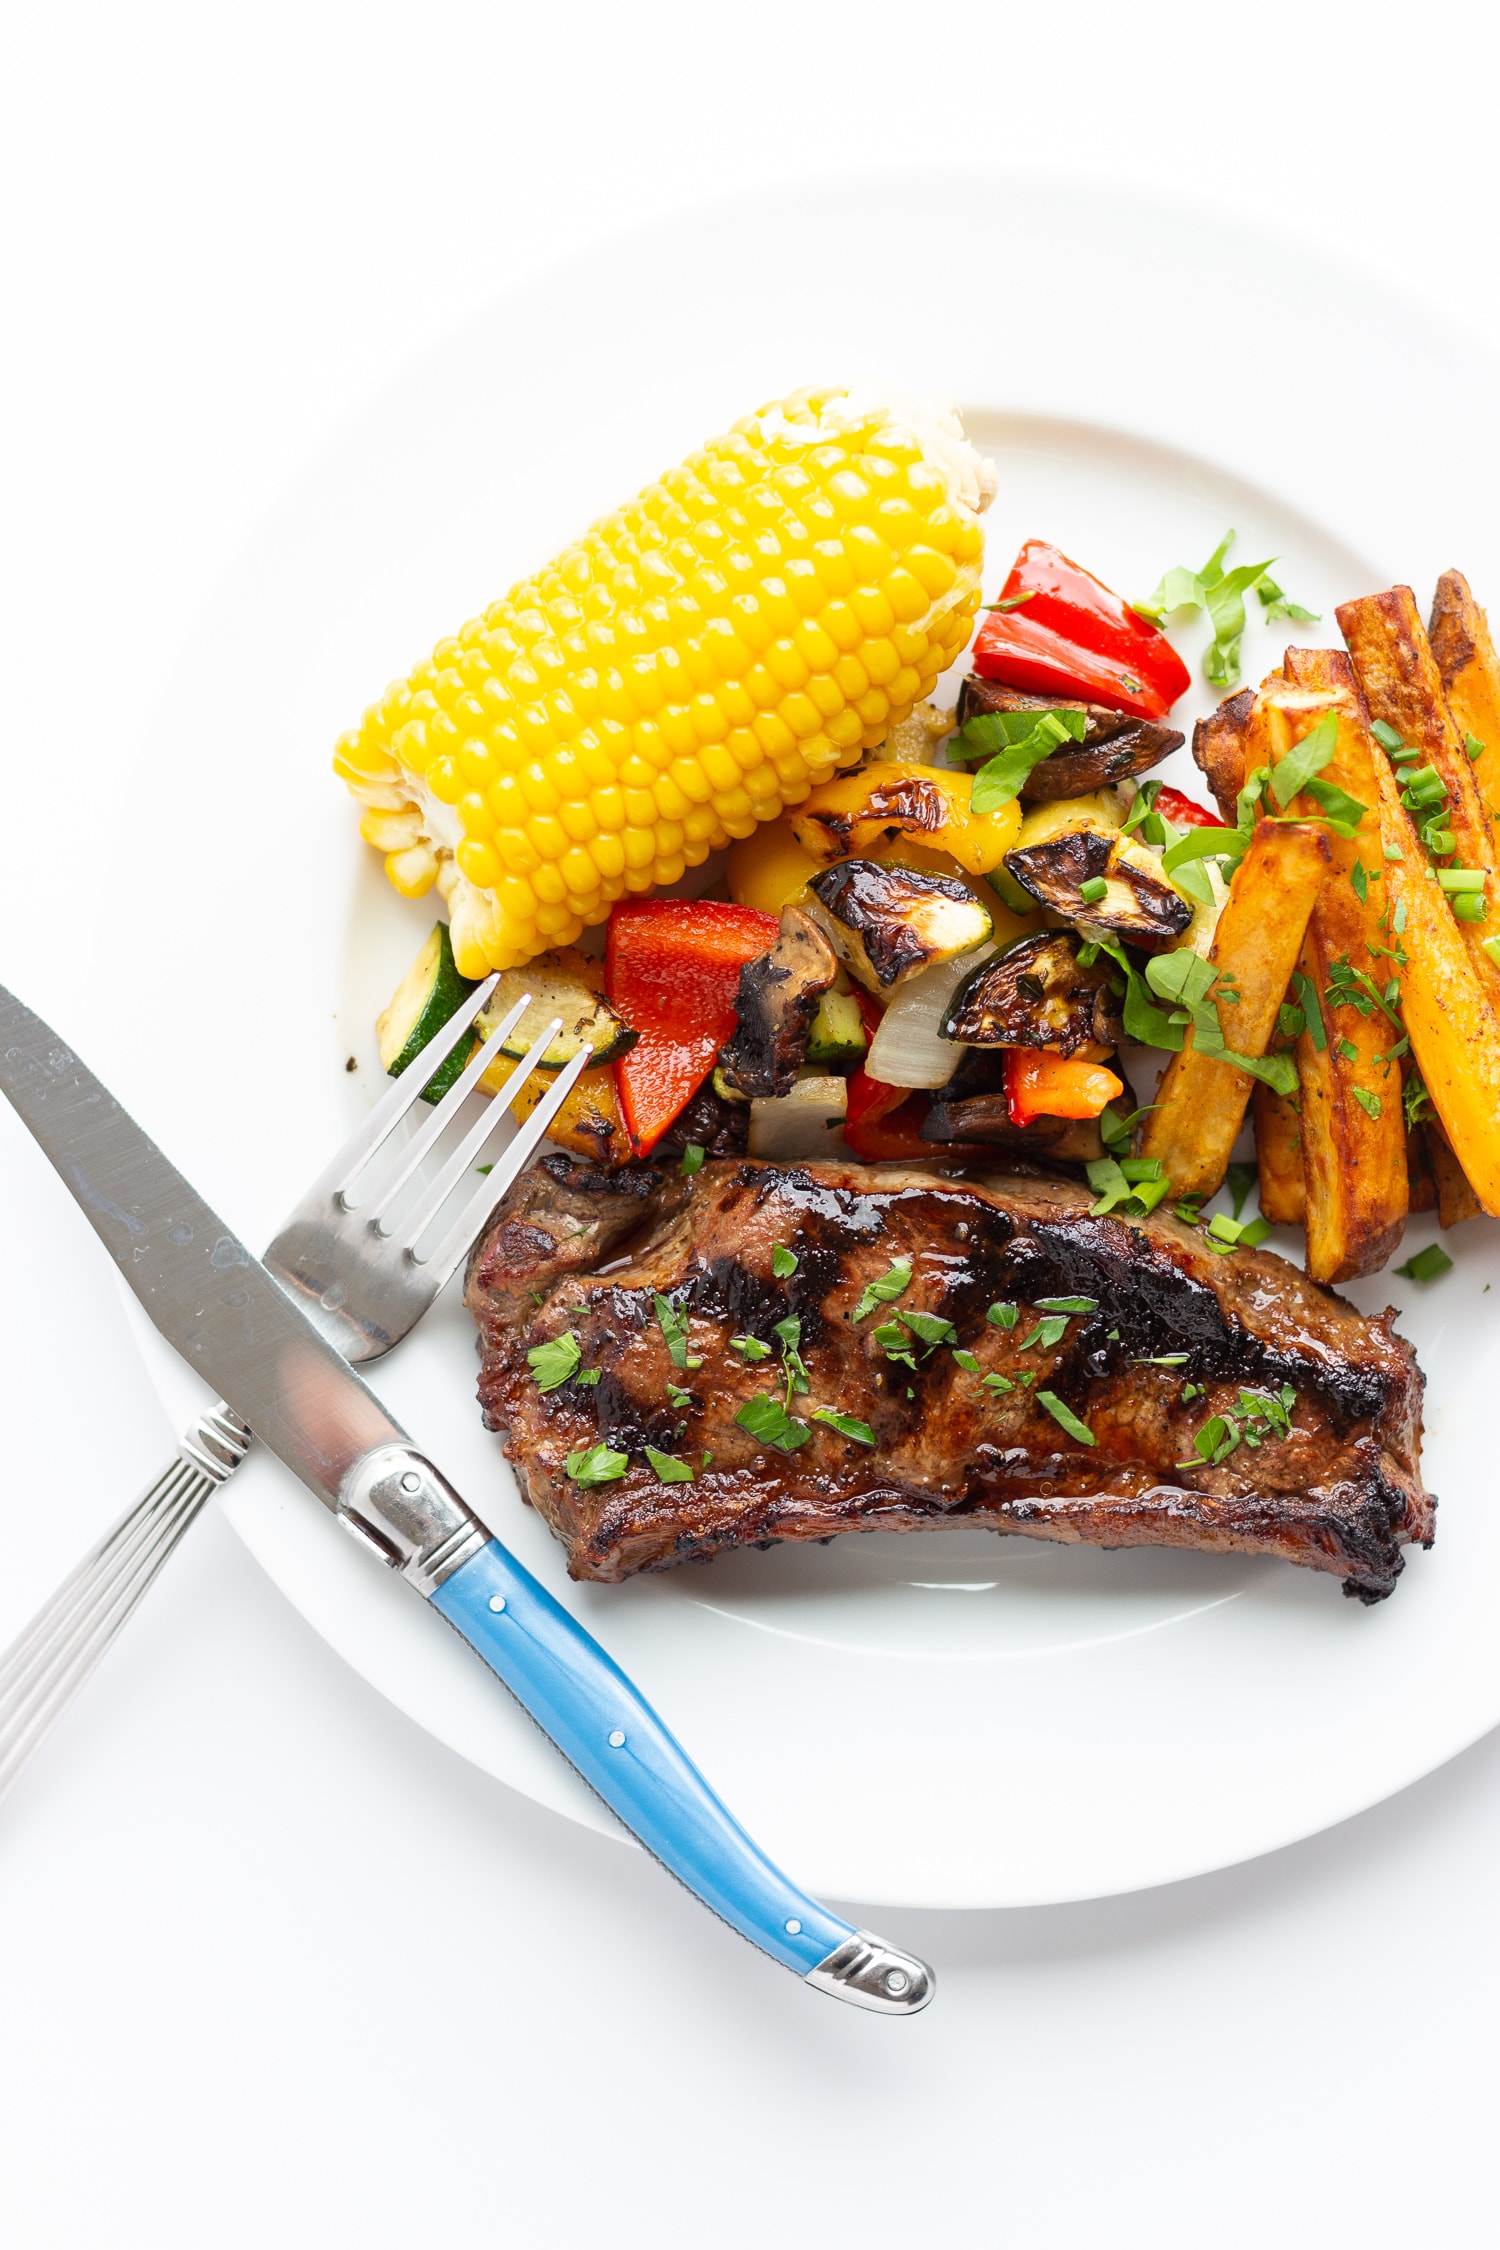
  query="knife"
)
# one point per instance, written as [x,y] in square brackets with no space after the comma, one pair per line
[218,1306]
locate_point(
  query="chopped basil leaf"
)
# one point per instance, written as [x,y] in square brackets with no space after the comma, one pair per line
[1305,759]
[1221,595]
[1427,1265]
[552,1364]
[784,1262]
[1046,1333]
[1240,1179]
[1082,1304]
[669,1470]
[928,1328]
[845,1424]
[678,1399]
[1013,742]
[769,1423]
[1003,1316]
[1064,1415]
[886,1290]
[596,1464]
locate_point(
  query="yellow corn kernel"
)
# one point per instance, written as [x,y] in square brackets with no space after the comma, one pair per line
[702,657]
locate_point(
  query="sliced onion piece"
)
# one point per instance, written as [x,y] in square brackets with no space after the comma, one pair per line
[909,1049]
[806,1123]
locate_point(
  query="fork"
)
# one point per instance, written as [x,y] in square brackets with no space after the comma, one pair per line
[357,1271]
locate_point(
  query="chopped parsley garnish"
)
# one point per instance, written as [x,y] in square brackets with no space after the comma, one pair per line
[596,1464]
[1220,594]
[846,1425]
[789,1331]
[784,1262]
[674,1327]
[587,1377]
[669,1470]
[750,1348]
[1012,742]
[769,1423]
[1046,1333]
[1368,1102]
[1069,1304]
[678,1399]
[1003,1316]
[1064,1415]
[928,1328]
[1427,1265]
[1415,1099]
[692,1160]
[886,1290]
[894,1342]
[553,1364]
[1360,880]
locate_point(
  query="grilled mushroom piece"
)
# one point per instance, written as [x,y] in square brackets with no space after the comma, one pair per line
[1037,995]
[1064,851]
[890,923]
[718,1126]
[776,1003]
[1114,745]
[986,1117]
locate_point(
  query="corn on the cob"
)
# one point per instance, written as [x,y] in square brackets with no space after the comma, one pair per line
[696,662]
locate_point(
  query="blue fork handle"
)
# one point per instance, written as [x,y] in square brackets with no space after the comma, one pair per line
[605,1727]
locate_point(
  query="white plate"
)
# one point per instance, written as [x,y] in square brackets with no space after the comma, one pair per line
[948,1719]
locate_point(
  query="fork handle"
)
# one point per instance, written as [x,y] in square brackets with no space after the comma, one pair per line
[44,1668]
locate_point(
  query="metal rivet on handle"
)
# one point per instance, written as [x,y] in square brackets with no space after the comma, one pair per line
[617,1740]
[411,1482]
[896,1980]
[497,1603]
[794,1927]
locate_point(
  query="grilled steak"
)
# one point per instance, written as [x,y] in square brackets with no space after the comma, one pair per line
[1327,1403]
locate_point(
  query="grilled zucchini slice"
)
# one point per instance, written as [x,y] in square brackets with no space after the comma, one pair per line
[837,1039]
[566,983]
[430,992]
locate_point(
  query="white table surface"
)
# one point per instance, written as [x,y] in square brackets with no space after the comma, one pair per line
[276,1968]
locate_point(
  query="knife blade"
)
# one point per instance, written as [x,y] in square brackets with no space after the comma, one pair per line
[218,1306]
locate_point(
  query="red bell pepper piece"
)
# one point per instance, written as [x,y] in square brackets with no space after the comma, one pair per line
[1184,812]
[1072,637]
[672,968]
[1039,1083]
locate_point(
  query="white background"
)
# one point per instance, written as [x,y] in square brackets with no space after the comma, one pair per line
[274,1967]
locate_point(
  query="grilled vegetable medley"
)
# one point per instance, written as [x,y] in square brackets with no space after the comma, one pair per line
[934,931]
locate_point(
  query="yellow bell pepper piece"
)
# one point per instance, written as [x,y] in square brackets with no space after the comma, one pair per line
[851,817]
[771,867]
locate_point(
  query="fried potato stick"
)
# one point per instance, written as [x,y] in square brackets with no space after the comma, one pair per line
[1201,1102]
[1278,1157]
[1456,1200]
[1401,684]
[1470,672]
[1353,1127]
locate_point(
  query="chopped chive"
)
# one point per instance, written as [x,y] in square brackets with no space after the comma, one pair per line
[1093,890]
[1470,906]
[1461,878]
[1427,1265]
[1163,1359]
[1474,747]
[692,1160]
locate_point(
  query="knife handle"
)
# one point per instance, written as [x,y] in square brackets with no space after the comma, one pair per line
[605,1727]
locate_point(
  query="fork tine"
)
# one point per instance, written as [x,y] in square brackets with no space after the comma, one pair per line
[417,1221]
[443,1114]
[356,1152]
[456,1243]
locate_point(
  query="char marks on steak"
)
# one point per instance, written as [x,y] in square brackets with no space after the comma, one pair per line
[573,1247]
